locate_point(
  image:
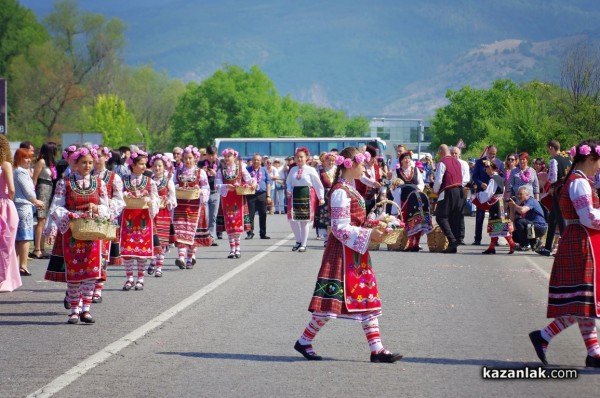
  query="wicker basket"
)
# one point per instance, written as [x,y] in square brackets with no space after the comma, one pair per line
[374,246]
[135,203]
[392,237]
[240,190]
[187,194]
[436,240]
[88,229]
[401,243]
[111,232]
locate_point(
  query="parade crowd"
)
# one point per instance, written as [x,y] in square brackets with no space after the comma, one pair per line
[353,199]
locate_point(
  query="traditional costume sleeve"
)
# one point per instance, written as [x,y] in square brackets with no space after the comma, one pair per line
[367,181]
[219,186]
[354,237]
[104,205]
[581,195]
[316,183]
[289,180]
[396,195]
[154,199]
[117,203]
[172,198]
[246,177]
[420,182]
[204,187]
[58,212]
[553,171]
[489,192]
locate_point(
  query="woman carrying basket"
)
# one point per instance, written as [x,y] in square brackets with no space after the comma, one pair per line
[192,191]
[346,287]
[137,222]
[80,195]
[574,291]
[301,178]
[233,216]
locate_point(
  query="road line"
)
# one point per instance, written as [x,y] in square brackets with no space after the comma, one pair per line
[537,267]
[96,359]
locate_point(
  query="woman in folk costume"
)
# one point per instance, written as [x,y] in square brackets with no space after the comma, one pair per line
[574,291]
[492,199]
[233,216]
[166,192]
[326,175]
[415,212]
[137,225]
[114,189]
[80,195]
[409,173]
[55,271]
[346,287]
[188,211]
[301,178]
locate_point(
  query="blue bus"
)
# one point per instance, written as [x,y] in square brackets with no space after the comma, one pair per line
[286,146]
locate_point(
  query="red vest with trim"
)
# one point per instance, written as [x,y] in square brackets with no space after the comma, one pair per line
[453,174]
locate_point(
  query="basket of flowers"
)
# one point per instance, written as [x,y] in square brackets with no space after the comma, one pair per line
[436,240]
[85,227]
[111,231]
[378,218]
[135,199]
[245,189]
[187,193]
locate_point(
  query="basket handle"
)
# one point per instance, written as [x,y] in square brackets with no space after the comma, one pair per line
[385,202]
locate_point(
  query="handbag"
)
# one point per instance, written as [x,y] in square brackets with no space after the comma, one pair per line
[530,232]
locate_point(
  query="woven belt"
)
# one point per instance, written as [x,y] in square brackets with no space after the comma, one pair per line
[572,222]
[46,182]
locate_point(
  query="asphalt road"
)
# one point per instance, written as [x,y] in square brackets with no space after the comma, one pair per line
[227,328]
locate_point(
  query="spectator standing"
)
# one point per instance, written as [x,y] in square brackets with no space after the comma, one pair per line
[258,201]
[466,178]
[9,220]
[211,166]
[44,178]
[278,178]
[524,175]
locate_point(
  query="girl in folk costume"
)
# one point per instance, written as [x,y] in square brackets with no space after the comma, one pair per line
[114,189]
[233,215]
[301,178]
[327,177]
[368,185]
[80,195]
[415,212]
[492,199]
[188,211]
[574,291]
[55,270]
[137,225]
[167,201]
[346,287]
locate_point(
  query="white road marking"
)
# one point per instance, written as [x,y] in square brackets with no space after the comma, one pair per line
[537,267]
[91,362]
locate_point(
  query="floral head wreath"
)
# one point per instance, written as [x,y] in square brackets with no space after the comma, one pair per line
[67,152]
[159,156]
[329,155]
[584,150]
[193,150]
[229,151]
[83,151]
[135,155]
[103,151]
[302,149]
[358,158]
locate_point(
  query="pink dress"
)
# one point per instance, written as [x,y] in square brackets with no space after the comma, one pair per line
[10,279]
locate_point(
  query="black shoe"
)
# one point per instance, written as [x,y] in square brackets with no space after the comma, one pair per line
[543,252]
[414,249]
[214,244]
[537,340]
[592,362]
[219,236]
[231,255]
[520,248]
[265,237]
[180,263]
[73,319]
[193,261]
[476,243]
[96,299]
[298,244]
[451,249]
[385,357]
[461,243]
[302,350]
[276,212]
[489,251]
[151,269]
[67,303]
[238,254]
[86,317]
[249,236]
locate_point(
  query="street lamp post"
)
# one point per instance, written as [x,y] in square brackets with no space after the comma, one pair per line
[419,138]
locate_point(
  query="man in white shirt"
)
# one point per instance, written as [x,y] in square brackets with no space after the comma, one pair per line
[466,177]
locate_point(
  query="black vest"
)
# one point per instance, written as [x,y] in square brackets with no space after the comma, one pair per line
[562,168]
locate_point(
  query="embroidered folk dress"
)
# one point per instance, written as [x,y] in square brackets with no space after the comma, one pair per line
[163,220]
[83,259]
[414,206]
[137,225]
[299,181]
[187,214]
[114,189]
[346,286]
[574,287]
[233,216]
[492,199]
[322,219]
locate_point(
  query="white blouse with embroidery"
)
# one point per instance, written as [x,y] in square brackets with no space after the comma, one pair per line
[231,170]
[154,203]
[581,195]
[353,236]
[308,177]
[171,197]
[116,203]
[189,173]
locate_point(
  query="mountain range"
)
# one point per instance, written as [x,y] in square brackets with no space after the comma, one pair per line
[381,57]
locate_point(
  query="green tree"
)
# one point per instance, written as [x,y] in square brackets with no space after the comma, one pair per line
[233,103]
[109,116]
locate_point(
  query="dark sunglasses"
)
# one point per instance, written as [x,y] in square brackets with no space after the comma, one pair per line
[511,159]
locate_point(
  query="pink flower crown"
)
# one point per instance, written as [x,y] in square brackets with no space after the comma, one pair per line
[228,151]
[193,150]
[164,158]
[584,150]
[104,151]
[67,152]
[358,158]
[83,151]
[135,155]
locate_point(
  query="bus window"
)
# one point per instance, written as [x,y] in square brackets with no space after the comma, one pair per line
[313,147]
[261,148]
[282,149]
[238,146]
[327,146]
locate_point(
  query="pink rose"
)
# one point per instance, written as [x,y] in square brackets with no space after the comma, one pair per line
[573,152]
[598,150]
[347,163]
[397,166]
[359,158]
[585,150]
[339,160]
